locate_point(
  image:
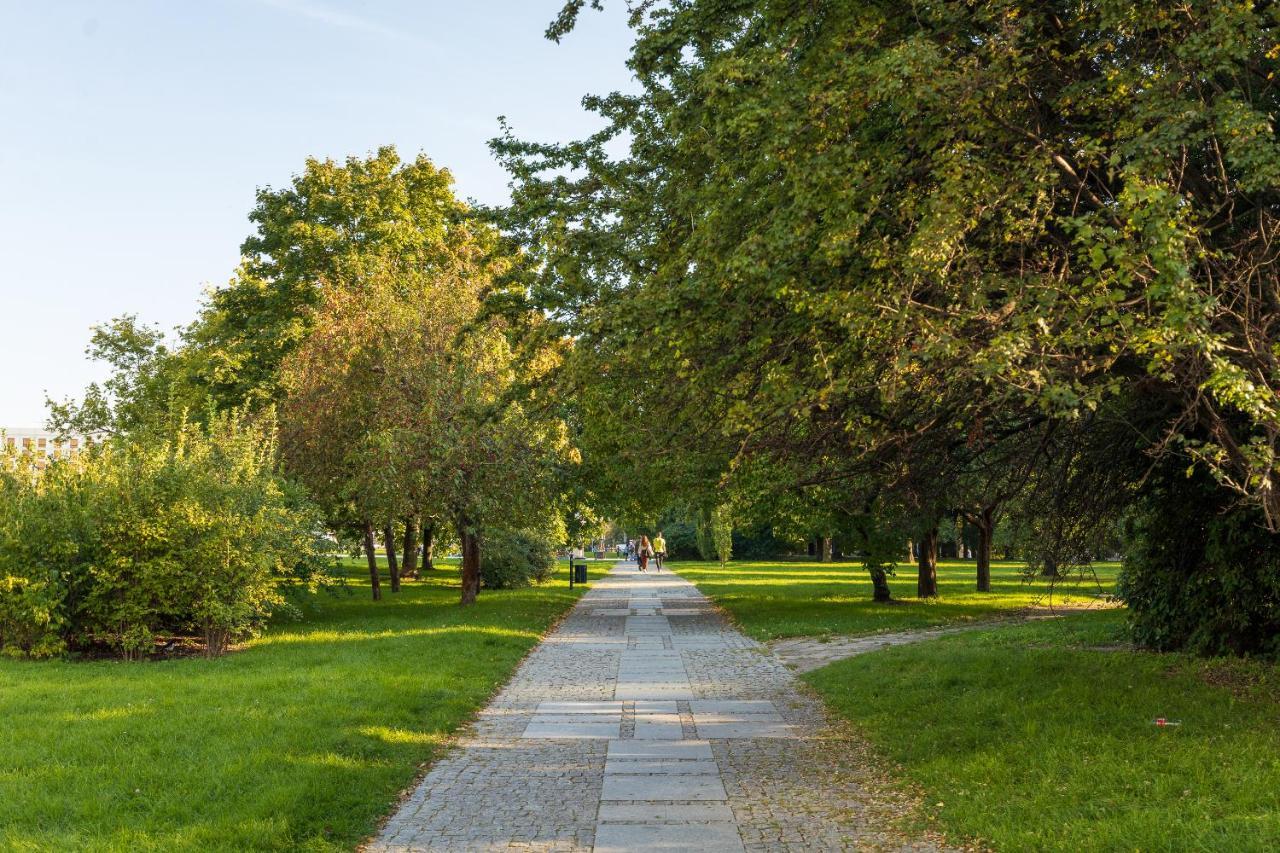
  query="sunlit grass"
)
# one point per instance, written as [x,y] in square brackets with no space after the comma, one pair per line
[301,739]
[1041,737]
[772,600]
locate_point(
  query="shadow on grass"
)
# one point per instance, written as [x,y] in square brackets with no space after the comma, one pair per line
[772,600]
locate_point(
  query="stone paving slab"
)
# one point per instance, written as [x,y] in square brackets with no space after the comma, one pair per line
[572,730]
[658,731]
[668,786]
[732,706]
[705,838]
[579,708]
[661,766]
[660,812]
[726,731]
[646,722]
[688,749]
[658,707]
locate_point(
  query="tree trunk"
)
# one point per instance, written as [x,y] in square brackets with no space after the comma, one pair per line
[985,523]
[393,564]
[470,561]
[409,568]
[927,582]
[371,551]
[428,546]
[880,585]
[216,640]
[826,549]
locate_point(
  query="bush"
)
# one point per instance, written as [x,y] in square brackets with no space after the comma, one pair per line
[682,540]
[29,619]
[510,559]
[1201,573]
[189,531]
[758,543]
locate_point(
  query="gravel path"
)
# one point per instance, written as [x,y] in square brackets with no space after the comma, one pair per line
[803,654]
[645,722]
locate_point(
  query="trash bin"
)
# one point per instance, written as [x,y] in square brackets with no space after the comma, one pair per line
[579,572]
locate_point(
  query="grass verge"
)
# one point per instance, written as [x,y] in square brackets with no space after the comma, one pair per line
[301,740]
[1040,737]
[771,600]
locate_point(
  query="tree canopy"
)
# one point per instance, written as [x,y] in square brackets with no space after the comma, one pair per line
[867,245]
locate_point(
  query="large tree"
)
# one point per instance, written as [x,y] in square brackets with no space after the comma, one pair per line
[333,222]
[862,228]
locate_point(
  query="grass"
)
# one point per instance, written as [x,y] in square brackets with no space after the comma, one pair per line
[301,740]
[771,600]
[1034,736]
[1029,737]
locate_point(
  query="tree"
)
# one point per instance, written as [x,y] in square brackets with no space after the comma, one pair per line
[148,382]
[850,228]
[335,222]
[722,533]
[397,403]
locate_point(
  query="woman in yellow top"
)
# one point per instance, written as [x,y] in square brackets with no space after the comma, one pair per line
[659,550]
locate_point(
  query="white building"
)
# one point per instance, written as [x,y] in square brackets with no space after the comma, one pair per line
[43,444]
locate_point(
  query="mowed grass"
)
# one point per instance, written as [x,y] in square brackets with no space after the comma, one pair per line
[784,599]
[1038,737]
[302,740]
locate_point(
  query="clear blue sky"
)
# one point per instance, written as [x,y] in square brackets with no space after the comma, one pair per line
[134,132]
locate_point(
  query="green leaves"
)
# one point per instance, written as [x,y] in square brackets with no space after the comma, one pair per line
[183,529]
[838,227]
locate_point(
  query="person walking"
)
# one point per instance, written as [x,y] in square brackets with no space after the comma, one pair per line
[659,550]
[643,552]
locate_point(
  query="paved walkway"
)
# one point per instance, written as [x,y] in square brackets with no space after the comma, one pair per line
[645,722]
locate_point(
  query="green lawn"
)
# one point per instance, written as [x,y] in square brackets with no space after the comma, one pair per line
[772,600]
[1031,737]
[301,740]
[1034,736]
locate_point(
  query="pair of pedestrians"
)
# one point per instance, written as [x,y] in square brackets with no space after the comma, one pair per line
[656,550]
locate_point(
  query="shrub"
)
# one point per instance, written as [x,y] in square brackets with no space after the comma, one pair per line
[682,540]
[191,530]
[29,618]
[758,543]
[1201,573]
[510,559]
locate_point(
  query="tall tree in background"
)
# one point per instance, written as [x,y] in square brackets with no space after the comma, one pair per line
[334,222]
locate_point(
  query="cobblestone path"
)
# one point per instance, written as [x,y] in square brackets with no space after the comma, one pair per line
[645,722]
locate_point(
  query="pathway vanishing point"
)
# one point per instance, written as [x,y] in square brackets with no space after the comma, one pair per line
[645,722]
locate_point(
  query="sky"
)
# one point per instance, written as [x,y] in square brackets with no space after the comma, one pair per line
[134,133]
